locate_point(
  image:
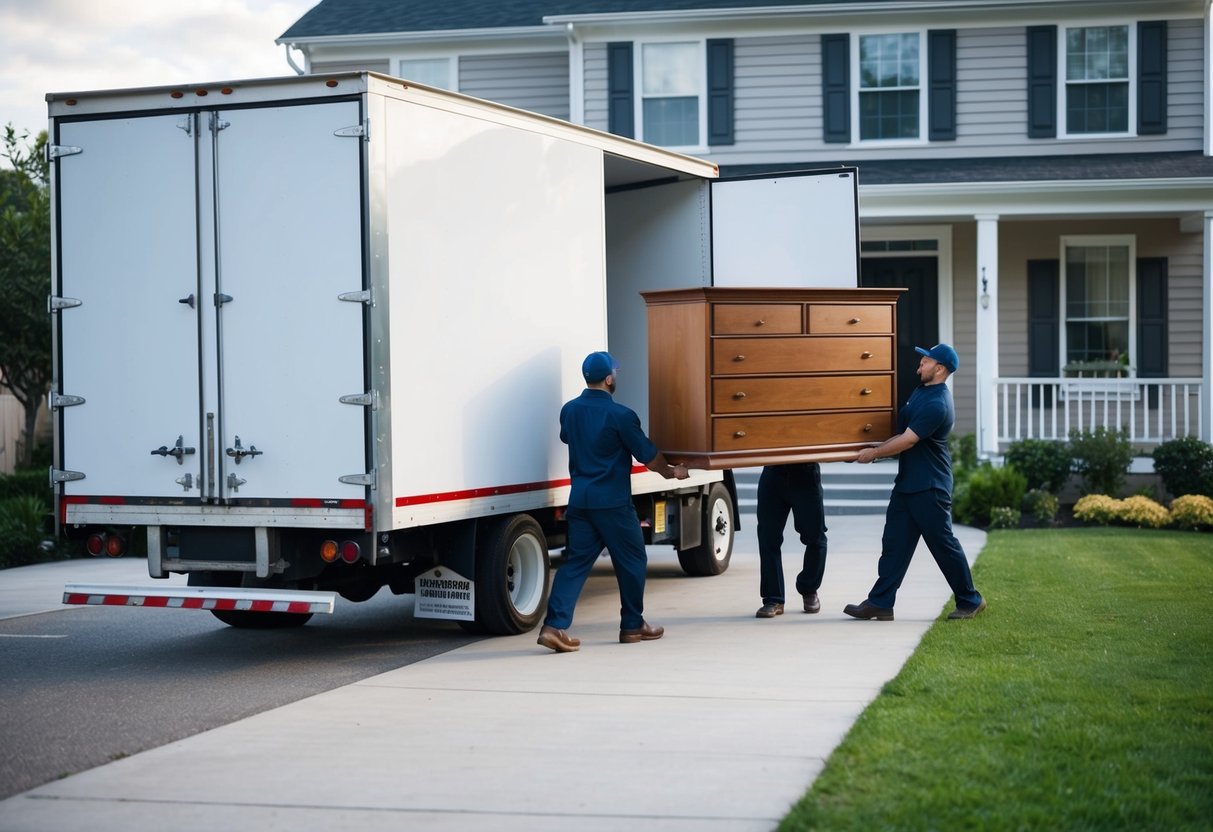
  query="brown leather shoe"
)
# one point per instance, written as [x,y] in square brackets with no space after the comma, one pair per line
[646,633]
[558,640]
[967,612]
[811,602]
[868,611]
[769,611]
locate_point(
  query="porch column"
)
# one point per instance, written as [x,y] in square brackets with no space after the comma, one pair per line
[986,369]
[1206,358]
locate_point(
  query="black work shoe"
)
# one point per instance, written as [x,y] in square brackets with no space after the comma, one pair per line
[868,611]
[769,611]
[812,603]
[967,612]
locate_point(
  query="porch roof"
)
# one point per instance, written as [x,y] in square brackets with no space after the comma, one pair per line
[1069,168]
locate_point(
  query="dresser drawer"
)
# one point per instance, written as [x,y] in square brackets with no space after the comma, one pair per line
[757,319]
[755,395]
[747,356]
[851,319]
[742,433]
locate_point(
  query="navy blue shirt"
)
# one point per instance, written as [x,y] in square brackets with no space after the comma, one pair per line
[929,412]
[602,436]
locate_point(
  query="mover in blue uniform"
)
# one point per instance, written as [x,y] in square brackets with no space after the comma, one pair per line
[603,437]
[921,503]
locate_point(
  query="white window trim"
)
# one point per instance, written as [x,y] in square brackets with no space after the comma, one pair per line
[1063,129]
[1127,240]
[923,111]
[638,89]
[452,64]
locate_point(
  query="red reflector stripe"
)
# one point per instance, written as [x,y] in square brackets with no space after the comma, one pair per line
[299,606]
[155,601]
[115,600]
[262,606]
[472,493]
[75,598]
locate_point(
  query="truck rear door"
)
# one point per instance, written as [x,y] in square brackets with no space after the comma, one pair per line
[204,349]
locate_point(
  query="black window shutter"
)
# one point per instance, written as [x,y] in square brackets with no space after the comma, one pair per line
[720,91]
[1044,301]
[1042,82]
[621,106]
[1152,77]
[836,87]
[1152,359]
[941,85]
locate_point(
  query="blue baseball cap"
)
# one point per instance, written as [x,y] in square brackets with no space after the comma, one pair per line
[597,366]
[942,353]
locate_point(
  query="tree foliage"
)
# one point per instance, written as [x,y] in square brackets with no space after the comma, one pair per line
[25,277]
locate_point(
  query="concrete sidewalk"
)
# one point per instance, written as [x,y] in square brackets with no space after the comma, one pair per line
[721,725]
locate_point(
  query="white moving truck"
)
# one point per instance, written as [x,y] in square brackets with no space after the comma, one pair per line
[314,334]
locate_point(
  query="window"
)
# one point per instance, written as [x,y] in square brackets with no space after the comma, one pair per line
[1098,71]
[433,72]
[1098,299]
[671,86]
[890,96]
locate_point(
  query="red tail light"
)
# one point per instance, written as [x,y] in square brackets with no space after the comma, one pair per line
[95,544]
[115,546]
[350,551]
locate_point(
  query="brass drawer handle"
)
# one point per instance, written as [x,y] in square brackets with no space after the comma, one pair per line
[738,434]
[866,354]
[867,428]
[760,322]
[739,358]
[853,321]
[739,395]
[867,391]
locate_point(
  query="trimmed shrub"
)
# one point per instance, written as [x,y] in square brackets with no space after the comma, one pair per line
[22,523]
[1143,512]
[987,489]
[1045,464]
[27,483]
[1102,458]
[1097,508]
[963,450]
[1192,511]
[1186,466]
[1002,517]
[1041,506]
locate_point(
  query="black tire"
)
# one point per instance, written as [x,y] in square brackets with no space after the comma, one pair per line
[711,556]
[244,619]
[512,566]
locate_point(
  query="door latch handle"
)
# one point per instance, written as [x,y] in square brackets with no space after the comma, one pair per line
[238,452]
[177,450]
[188,300]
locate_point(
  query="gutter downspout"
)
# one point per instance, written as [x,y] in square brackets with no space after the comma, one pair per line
[576,76]
[290,60]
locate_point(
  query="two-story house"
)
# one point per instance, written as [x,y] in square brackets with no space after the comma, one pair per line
[1037,174]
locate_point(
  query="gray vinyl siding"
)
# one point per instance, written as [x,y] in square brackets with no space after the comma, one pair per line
[368,64]
[777,95]
[538,82]
[594,60]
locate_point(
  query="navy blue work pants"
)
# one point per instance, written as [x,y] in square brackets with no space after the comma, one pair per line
[794,488]
[590,531]
[925,515]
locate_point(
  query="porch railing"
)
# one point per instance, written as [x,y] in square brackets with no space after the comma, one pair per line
[1151,410]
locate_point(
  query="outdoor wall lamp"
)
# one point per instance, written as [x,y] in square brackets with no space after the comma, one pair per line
[985,294]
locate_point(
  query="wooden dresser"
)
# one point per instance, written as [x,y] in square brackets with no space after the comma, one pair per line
[740,377]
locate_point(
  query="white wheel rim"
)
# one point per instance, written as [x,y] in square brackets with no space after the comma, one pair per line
[526,573]
[722,529]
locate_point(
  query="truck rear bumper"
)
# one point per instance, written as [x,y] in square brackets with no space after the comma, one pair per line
[201,598]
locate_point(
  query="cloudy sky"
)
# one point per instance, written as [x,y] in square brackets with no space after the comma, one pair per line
[76,45]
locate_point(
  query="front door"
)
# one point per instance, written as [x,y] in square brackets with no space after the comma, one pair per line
[917,309]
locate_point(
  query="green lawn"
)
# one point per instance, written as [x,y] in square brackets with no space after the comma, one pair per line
[1082,699]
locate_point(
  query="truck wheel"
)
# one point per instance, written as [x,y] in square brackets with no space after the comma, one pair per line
[711,556]
[511,576]
[243,619]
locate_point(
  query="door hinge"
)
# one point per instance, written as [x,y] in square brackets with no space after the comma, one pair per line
[58,400]
[357,297]
[54,303]
[217,124]
[58,151]
[58,476]
[357,131]
[359,479]
[370,399]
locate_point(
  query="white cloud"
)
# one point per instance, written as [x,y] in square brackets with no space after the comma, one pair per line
[77,45]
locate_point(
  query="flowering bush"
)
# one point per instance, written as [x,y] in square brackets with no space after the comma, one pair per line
[1097,508]
[1192,511]
[1143,512]
[1004,517]
[1041,505]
